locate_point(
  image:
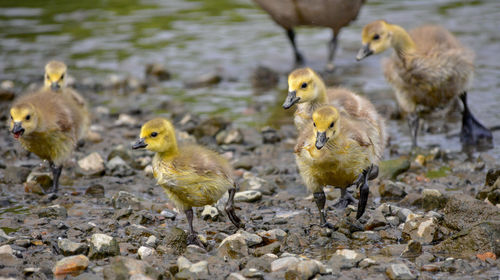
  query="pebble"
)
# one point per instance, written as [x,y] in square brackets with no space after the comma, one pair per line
[273,248]
[273,234]
[151,242]
[69,248]
[247,196]
[168,214]
[399,272]
[236,276]
[183,263]
[210,212]
[195,249]
[145,252]
[283,263]
[125,199]
[71,265]
[250,238]
[367,262]
[125,120]
[413,249]
[6,249]
[421,229]
[102,245]
[4,236]
[252,182]
[432,199]
[306,269]
[92,165]
[393,189]
[54,211]
[233,246]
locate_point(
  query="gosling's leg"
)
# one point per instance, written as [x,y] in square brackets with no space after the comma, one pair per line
[56,173]
[344,200]
[332,47]
[230,209]
[368,174]
[299,59]
[320,199]
[413,121]
[473,132]
[192,236]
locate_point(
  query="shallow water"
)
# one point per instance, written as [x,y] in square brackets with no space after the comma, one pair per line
[99,38]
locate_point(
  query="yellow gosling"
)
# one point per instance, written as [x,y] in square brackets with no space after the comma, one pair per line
[340,150]
[55,81]
[191,175]
[308,91]
[333,14]
[429,69]
[47,125]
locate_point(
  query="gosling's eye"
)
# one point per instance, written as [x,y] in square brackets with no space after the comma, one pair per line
[154,134]
[304,85]
[28,117]
[331,125]
[47,77]
[11,118]
[62,76]
[314,124]
[376,37]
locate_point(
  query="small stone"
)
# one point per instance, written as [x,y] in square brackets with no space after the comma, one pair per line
[92,165]
[234,246]
[151,242]
[125,199]
[273,235]
[270,135]
[250,238]
[421,229]
[195,249]
[71,265]
[367,262]
[273,248]
[157,71]
[145,252]
[247,196]
[183,263]
[390,169]
[138,231]
[377,219]
[174,242]
[129,268]
[102,245]
[432,199]
[210,212]
[44,179]
[69,248]
[345,259]
[199,268]
[393,221]
[125,120]
[6,249]
[168,214]
[252,182]
[399,272]
[304,269]
[119,168]
[367,236]
[283,263]
[403,214]
[236,276]
[15,174]
[262,263]
[96,190]
[393,189]
[413,249]
[54,211]
[232,136]
[252,273]
[94,137]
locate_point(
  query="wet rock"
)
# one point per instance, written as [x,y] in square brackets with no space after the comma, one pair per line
[157,71]
[480,237]
[490,193]
[393,189]
[413,249]
[377,219]
[234,247]
[252,182]
[231,136]
[345,259]
[283,263]
[264,78]
[250,238]
[142,217]
[204,80]
[367,236]
[209,127]
[367,262]
[247,196]
[137,231]
[462,211]
[432,199]
[270,135]
[102,245]
[421,229]
[199,268]
[174,242]
[44,179]
[54,211]
[69,248]
[349,225]
[15,174]
[492,176]
[91,165]
[71,265]
[399,272]
[96,190]
[119,168]
[6,249]
[195,249]
[252,273]
[262,263]
[183,263]
[152,241]
[210,212]
[125,199]
[403,214]
[145,252]
[236,276]
[168,214]
[273,248]
[304,270]
[273,235]
[7,92]
[390,169]
[126,120]
[129,268]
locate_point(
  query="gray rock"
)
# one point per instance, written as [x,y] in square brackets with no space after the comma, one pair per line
[367,262]
[250,238]
[234,247]
[252,182]
[283,263]
[247,196]
[273,235]
[129,268]
[135,231]
[91,165]
[421,229]
[273,248]
[210,212]
[102,245]
[413,249]
[195,249]
[183,263]
[4,236]
[432,199]
[168,214]
[199,268]
[152,241]
[305,270]
[145,252]
[6,249]
[262,263]
[69,248]
[96,190]
[229,136]
[462,211]
[393,189]
[70,265]
[403,214]
[252,273]
[54,211]
[15,174]
[345,259]
[236,276]
[44,179]
[399,272]
[270,135]
[174,242]
[119,168]
[367,236]
[393,221]
[377,219]
[125,199]
[142,217]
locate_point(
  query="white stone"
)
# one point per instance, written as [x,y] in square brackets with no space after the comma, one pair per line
[399,272]
[247,196]
[151,242]
[235,276]
[403,214]
[367,262]
[251,238]
[283,263]
[6,249]
[92,163]
[145,252]
[125,120]
[183,263]
[99,240]
[210,212]
[273,234]
[199,267]
[348,254]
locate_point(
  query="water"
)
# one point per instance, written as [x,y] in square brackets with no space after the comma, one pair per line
[99,38]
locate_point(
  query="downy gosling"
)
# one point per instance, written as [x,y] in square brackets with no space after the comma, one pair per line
[334,14]
[48,125]
[340,150]
[429,69]
[55,80]
[191,175]
[308,91]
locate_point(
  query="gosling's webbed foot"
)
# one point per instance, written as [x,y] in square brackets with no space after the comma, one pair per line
[345,200]
[473,132]
[364,191]
[327,225]
[193,239]
[232,216]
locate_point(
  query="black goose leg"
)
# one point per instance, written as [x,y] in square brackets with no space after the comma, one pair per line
[56,173]
[192,236]
[344,200]
[332,47]
[369,174]
[413,122]
[230,209]
[320,199]
[473,132]
[299,60]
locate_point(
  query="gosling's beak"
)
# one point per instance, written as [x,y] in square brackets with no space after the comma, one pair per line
[54,86]
[291,99]
[139,144]
[17,129]
[364,52]
[321,140]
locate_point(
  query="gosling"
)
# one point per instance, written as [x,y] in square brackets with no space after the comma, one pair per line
[334,14]
[308,91]
[55,81]
[48,125]
[191,175]
[340,150]
[428,70]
